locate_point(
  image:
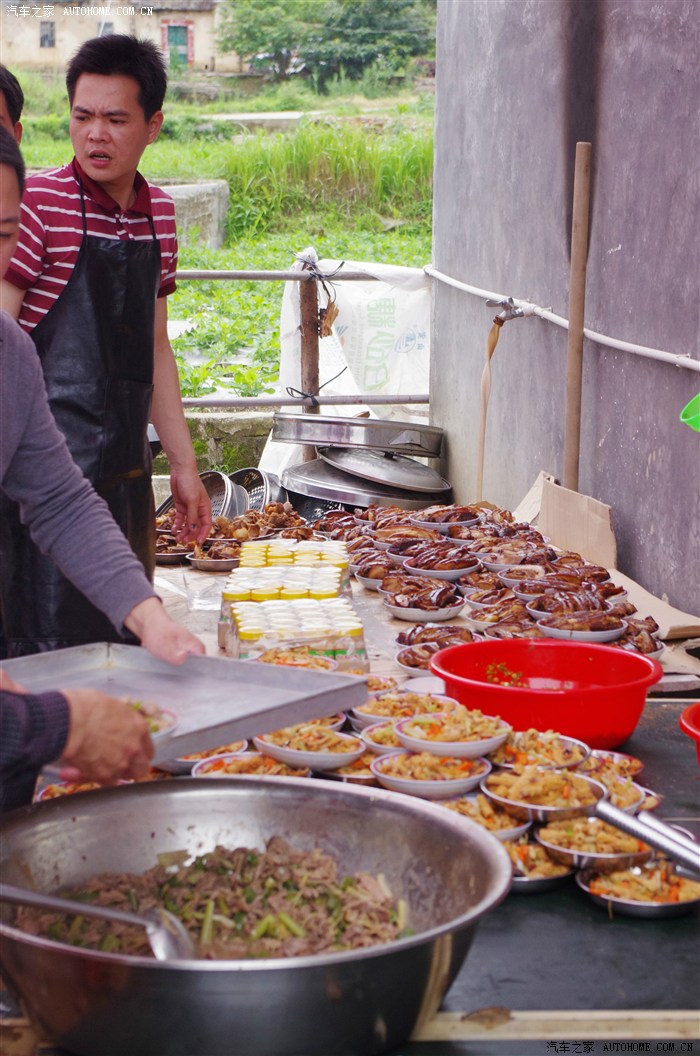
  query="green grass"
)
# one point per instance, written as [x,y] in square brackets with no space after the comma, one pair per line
[240,320]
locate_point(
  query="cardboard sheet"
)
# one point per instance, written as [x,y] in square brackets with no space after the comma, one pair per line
[582,523]
[578,522]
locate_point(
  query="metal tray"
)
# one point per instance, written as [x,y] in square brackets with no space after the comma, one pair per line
[216,700]
[403,438]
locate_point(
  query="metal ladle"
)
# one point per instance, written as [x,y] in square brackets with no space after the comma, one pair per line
[167,935]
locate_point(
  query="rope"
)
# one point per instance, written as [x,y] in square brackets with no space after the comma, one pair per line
[312,397]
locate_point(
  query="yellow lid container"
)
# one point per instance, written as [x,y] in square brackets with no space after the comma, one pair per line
[267,593]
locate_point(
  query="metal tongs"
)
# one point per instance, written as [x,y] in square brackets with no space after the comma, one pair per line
[657,833]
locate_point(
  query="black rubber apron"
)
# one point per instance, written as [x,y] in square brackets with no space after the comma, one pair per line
[96,348]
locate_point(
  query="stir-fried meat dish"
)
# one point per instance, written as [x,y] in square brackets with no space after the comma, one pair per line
[242,903]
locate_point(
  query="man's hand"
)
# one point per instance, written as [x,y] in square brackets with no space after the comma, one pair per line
[162,636]
[107,739]
[192,506]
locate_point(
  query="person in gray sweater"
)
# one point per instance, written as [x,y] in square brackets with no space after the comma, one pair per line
[95,736]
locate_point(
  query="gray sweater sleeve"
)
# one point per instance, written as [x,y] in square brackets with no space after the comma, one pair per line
[66,518]
[33,732]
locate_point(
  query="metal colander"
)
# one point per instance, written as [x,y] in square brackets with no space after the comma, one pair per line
[256,484]
[261,487]
[220,491]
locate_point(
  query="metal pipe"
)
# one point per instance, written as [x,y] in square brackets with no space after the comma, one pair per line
[199,274]
[676,359]
[249,402]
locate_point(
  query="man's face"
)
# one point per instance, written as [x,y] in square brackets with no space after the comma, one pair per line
[5,119]
[9,216]
[109,131]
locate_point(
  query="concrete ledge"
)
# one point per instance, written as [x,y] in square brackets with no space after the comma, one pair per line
[225,440]
[202,206]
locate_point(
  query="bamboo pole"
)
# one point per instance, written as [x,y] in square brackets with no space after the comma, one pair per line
[577,304]
[310,381]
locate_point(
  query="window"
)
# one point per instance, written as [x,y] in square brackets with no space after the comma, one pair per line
[47,34]
[105,29]
[177,45]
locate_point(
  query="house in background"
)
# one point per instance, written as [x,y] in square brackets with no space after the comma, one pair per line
[45,36]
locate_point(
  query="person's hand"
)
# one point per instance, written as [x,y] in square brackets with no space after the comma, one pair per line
[162,636]
[107,739]
[192,506]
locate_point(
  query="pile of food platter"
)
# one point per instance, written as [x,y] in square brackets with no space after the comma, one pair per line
[503,579]
[459,574]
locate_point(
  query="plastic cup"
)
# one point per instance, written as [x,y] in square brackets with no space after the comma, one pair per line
[690,415]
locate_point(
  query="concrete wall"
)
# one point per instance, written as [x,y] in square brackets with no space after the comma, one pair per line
[517,85]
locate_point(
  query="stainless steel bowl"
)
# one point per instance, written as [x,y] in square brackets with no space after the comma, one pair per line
[449,870]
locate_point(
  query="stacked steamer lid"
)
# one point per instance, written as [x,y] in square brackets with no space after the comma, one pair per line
[363,461]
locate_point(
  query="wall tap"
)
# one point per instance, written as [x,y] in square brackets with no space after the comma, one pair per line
[510,310]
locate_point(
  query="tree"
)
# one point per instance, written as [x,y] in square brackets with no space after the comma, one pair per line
[267,33]
[357,33]
[327,35]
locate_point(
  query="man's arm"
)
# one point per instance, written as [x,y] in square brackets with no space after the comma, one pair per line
[11,298]
[193,519]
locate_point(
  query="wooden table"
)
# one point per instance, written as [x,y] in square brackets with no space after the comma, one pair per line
[548,972]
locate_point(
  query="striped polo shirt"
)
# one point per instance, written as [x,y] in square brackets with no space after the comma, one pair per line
[51,230]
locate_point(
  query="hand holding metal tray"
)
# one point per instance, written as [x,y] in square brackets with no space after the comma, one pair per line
[215,700]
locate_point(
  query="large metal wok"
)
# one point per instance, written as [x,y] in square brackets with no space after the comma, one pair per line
[359,1003]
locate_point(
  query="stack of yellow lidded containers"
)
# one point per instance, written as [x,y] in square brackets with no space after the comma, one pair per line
[287,592]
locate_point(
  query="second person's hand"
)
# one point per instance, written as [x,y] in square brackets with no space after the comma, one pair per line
[162,636]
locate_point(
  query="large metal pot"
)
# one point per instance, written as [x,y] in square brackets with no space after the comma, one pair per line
[359,1003]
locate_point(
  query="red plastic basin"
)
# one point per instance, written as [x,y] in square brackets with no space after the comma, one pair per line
[689,722]
[593,692]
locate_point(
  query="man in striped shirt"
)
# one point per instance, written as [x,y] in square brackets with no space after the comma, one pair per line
[89,283]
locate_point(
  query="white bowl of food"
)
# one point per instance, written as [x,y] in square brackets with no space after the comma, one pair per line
[428,776]
[460,734]
[400,704]
[546,749]
[368,582]
[381,737]
[413,658]
[448,574]
[613,764]
[596,627]
[513,576]
[246,764]
[161,721]
[412,614]
[183,764]
[316,747]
